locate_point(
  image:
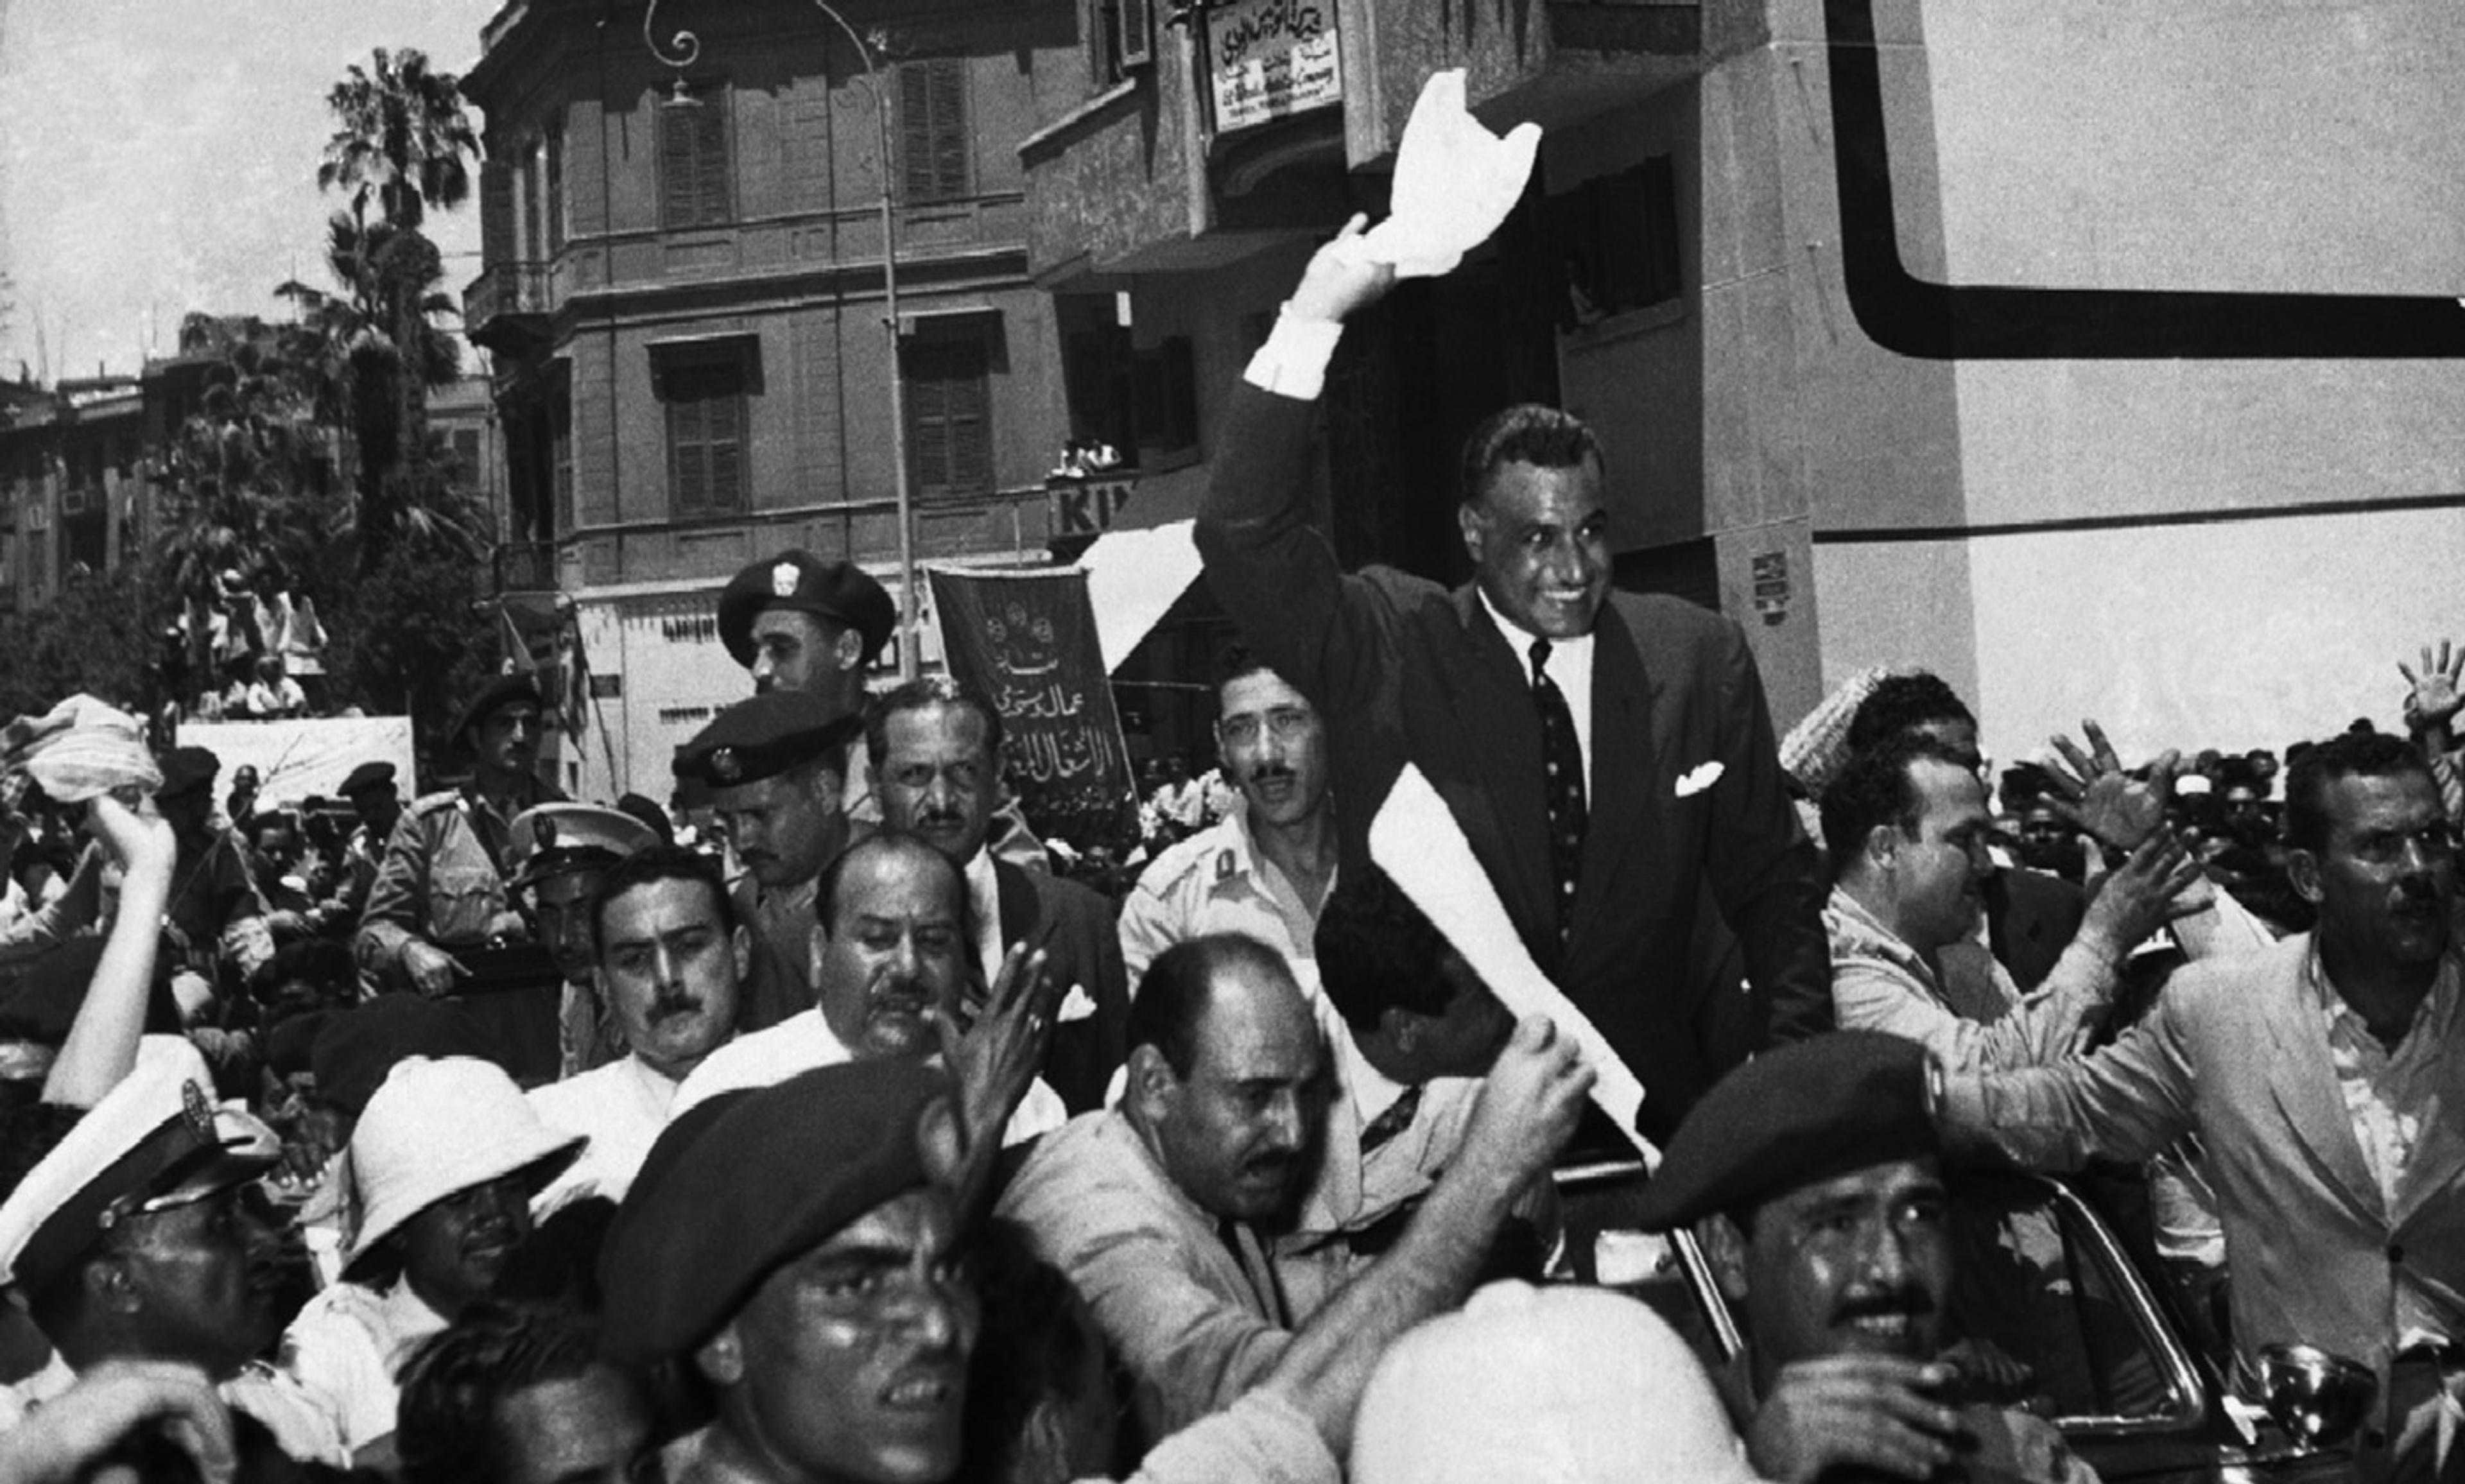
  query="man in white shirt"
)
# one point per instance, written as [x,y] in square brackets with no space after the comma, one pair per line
[671,955]
[888,955]
[1266,867]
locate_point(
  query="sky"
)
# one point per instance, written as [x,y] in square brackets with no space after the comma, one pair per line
[160,156]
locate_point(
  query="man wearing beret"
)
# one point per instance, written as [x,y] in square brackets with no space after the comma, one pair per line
[441,886]
[936,764]
[796,1246]
[1813,1177]
[775,770]
[377,802]
[557,853]
[128,1239]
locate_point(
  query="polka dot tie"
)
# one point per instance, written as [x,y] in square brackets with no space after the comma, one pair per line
[1562,757]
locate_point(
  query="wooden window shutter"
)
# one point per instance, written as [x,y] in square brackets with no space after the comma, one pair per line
[949,417]
[687,487]
[724,435]
[556,189]
[496,212]
[693,163]
[933,141]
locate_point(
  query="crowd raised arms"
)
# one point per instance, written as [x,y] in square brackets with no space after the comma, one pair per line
[819,1124]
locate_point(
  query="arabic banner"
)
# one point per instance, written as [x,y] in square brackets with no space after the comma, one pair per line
[1028,641]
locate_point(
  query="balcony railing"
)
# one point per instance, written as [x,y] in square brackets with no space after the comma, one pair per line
[503,292]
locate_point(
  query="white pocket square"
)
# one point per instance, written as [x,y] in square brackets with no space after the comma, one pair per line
[1076,1005]
[1695,781]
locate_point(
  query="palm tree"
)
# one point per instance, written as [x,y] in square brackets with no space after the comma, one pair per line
[404,138]
[404,143]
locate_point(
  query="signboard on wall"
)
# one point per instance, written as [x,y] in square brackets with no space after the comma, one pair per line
[1271,58]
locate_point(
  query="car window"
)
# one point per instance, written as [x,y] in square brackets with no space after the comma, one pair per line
[2052,1318]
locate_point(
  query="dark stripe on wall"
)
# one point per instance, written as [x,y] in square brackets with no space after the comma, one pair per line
[1900,535]
[1941,322]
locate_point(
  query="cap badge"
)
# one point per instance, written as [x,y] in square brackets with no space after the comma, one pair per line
[726,766]
[784,579]
[195,1112]
[544,834]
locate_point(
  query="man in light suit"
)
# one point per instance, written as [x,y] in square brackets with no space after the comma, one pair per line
[2323,1078]
[1605,777]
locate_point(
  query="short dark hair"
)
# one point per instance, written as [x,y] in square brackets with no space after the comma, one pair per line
[1527,434]
[1903,703]
[1377,951]
[659,863]
[1172,999]
[924,694]
[1237,659]
[2345,755]
[447,1430]
[826,895]
[1874,788]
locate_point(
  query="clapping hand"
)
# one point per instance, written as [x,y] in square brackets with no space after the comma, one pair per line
[2101,799]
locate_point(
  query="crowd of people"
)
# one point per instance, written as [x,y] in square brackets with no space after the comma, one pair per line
[853,1142]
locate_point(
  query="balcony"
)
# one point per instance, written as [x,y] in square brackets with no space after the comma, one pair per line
[506,308]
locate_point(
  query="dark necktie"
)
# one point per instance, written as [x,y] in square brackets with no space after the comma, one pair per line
[1394,1120]
[1562,756]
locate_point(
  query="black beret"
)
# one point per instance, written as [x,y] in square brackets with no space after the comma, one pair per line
[503,690]
[367,775]
[767,736]
[799,580]
[355,1048]
[186,768]
[748,1181]
[1806,1112]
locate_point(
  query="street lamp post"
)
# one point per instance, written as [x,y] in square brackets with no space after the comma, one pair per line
[687,48]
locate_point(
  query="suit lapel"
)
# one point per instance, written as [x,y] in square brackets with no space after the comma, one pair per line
[2304,1085]
[1503,812]
[2438,1164]
[1623,804]
[1020,906]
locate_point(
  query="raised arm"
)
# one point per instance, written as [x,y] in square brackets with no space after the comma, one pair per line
[102,1045]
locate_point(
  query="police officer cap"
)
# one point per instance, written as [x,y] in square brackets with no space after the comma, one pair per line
[493,696]
[748,1181]
[554,838]
[153,1142]
[765,737]
[367,775]
[185,770]
[1811,1111]
[840,592]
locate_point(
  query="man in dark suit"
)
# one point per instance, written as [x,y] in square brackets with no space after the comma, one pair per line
[1608,754]
[936,752]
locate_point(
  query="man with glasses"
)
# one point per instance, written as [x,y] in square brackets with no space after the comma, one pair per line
[1266,868]
[936,749]
[2323,1076]
[1907,827]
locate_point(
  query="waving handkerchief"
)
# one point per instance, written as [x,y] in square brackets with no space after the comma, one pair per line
[1454,182]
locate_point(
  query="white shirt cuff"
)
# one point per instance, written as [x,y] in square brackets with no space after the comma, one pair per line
[1293,361]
